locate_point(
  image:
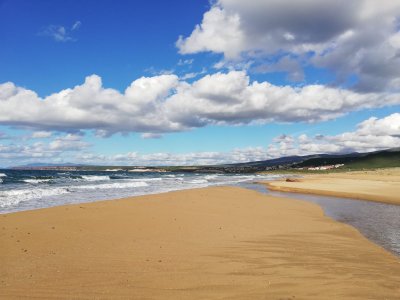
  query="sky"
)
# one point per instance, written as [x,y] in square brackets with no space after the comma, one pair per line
[196,82]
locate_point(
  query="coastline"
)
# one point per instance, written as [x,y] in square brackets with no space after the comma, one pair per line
[377,186]
[218,242]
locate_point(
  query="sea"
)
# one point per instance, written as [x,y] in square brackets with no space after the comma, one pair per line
[32,189]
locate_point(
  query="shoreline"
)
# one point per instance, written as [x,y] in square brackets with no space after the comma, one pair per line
[209,243]
[356,196]
[377,186]
[64,188]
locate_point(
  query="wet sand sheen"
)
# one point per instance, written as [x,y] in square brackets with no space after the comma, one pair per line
[211,243]
[379,222]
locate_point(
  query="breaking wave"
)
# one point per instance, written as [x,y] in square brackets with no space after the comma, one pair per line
[36,181]
[13,197]
[95,178]
[22,190]
[116,185]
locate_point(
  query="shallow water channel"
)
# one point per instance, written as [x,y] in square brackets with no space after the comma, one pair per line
[379,222]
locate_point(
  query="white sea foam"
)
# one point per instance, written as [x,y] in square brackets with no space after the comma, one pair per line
[3,175]
[13,197]
[198,181]
[115,185]
[147,179]
[95,177]
[36,181]
[95,187]
[211,177]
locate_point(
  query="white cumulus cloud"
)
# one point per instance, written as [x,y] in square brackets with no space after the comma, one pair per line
[370,135]
[358,37]
[162,104]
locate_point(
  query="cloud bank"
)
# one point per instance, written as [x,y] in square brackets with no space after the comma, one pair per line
[370,135]
[162,104]
[359,37]
[53,151]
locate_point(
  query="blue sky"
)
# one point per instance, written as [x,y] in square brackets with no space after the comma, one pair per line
[118,40]
[188,82]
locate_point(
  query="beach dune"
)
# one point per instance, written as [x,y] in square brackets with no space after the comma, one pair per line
[212,243]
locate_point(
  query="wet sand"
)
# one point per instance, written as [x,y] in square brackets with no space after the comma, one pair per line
[380,185]
[212,243]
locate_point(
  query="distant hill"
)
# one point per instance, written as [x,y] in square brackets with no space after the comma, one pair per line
[33,165]
[386,159]
[352,161]
[357,161]
[276,161]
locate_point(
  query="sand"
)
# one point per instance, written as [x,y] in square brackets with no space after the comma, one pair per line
[379,186]
[212,243]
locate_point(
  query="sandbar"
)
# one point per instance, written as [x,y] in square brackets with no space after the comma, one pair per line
[378,185]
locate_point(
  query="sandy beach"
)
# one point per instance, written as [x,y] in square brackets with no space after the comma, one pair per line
[378,185]
[212,243]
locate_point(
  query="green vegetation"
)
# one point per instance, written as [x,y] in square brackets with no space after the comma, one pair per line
[375,161]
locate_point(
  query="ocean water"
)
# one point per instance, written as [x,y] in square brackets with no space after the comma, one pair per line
[25,190]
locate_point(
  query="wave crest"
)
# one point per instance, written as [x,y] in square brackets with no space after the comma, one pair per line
[36,181]
[116,185]
[95,177]
[13,197]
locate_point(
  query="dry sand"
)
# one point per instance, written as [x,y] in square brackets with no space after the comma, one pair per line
[379,186]
[213,243]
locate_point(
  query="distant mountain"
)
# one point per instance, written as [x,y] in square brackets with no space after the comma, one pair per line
[358,161]
[275,162]
[290,160]
[351,161]
[34,165]
[377,159]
